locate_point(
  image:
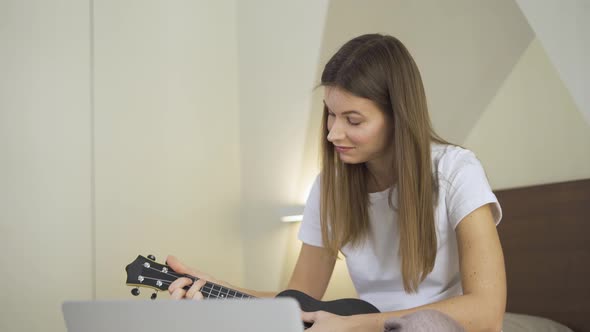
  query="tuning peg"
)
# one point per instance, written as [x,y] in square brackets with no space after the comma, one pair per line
[135,291]
[154,296]
[152,257]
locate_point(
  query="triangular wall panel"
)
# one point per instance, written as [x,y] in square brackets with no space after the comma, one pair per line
[532,132]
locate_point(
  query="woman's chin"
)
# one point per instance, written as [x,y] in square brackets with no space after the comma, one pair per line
[351,160]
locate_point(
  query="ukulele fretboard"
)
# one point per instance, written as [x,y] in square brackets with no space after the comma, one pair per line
[214,291]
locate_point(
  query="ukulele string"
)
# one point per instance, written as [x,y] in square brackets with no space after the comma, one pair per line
[175,275]
[208,289]
[168,282]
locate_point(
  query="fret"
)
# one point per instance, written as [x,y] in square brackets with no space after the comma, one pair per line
[220,292]
[221,296]
[215,290]
[206,294]
[226,295]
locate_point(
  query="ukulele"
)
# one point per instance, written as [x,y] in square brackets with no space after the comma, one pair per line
[147,273]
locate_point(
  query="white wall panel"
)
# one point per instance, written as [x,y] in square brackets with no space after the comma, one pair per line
[563,28]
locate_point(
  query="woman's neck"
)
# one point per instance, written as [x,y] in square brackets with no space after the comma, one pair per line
[381,175]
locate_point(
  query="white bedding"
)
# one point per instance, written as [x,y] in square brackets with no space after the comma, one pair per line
[526,323]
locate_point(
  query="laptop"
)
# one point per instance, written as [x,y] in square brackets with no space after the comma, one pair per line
[258,315]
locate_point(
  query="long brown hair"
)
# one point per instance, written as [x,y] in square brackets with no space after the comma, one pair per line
[380,68]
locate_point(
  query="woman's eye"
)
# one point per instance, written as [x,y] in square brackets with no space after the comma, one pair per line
[353,122]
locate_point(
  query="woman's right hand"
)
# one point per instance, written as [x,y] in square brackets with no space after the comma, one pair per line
[176,288]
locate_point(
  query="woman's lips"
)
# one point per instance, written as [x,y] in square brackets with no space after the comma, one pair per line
[343,148]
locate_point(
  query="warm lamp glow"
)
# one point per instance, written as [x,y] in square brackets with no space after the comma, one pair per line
[294,218]
[292,213]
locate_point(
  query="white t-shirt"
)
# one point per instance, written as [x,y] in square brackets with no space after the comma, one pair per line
[374,266]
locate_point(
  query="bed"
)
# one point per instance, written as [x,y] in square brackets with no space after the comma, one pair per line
[545,235]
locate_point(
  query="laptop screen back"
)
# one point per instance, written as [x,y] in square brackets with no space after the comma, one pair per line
[259,315]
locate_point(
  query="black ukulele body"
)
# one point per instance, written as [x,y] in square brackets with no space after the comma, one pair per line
[342,307]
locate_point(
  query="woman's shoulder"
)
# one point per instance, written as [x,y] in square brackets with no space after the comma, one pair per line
[449,158]
[450,152]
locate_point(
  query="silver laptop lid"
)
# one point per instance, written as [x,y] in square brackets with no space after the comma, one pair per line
[259,315]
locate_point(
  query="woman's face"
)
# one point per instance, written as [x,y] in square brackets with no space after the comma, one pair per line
[359,130]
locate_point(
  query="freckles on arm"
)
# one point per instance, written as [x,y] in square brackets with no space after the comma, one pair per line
[483,275]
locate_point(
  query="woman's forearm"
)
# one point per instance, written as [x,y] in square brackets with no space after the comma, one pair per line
[258,294]
[474,313]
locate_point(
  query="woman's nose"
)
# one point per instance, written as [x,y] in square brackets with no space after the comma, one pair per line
[336,133]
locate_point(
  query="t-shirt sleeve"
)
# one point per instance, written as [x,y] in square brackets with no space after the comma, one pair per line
[467,188]
[310,231]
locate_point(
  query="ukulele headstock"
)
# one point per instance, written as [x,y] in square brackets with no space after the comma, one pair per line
[147,273]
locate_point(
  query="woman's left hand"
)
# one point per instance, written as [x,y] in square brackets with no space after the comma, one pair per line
[327,322]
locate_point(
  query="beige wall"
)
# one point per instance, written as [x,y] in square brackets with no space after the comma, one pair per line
[119,136]
[45,205]
[166,137]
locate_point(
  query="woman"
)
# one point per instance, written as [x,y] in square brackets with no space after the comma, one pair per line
[414,215]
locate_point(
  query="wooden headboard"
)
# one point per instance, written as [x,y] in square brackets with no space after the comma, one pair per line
[545,234]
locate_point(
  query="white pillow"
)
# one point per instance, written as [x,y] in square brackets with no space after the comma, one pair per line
[526,323]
